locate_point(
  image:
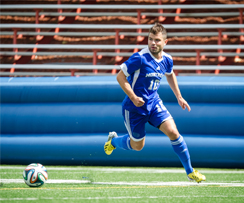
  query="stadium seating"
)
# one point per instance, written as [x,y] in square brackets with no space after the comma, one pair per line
[93,23]
[65,120]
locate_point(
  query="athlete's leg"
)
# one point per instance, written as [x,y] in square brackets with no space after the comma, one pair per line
[161,118]
[178,143]
[135,125]
[125,142]
[122,142]
[135,139]
[169,128]
[137,145]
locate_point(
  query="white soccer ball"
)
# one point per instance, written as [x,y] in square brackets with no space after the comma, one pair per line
[35,175]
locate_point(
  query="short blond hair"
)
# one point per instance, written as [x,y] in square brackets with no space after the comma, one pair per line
[157,28]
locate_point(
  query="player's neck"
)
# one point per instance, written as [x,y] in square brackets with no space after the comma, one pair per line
[158,55]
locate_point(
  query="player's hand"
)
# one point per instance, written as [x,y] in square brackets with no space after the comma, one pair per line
[183,103]
[138,101]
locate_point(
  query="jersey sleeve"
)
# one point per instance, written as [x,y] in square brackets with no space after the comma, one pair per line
[169,65]
[131,65]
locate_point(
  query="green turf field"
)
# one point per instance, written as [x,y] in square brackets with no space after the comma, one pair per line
[122,184]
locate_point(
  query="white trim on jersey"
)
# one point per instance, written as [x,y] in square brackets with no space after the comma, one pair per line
[169,56]
[136,75]
[165,54]
[124,69]
[157,60]
[146,50]
[169,73]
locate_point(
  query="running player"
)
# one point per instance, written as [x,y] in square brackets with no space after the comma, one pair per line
[139,78]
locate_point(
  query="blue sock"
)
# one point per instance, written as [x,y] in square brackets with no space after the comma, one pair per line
[122,142]
[181,150]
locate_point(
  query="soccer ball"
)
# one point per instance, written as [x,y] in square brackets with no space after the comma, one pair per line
[35,175]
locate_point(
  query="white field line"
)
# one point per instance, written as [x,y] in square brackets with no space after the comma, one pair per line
[132,170]
[124,197]
[48,181]
[169,184]
[131,183]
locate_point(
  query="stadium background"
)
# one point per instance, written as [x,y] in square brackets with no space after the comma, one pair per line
[63,119]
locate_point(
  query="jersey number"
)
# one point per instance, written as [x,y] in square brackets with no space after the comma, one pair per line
[154,84]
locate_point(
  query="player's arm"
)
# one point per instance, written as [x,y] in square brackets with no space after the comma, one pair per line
[171,78]
[125,85]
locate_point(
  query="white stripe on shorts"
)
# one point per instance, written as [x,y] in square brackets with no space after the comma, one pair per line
[127,122]
[127,125]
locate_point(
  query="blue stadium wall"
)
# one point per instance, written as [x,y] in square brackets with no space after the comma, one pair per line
[66,120]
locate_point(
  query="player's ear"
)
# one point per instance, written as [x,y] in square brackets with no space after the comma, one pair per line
[166,41]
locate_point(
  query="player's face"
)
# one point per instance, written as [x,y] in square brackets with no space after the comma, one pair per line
[156,44]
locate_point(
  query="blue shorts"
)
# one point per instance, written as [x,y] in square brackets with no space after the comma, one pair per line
[135,123]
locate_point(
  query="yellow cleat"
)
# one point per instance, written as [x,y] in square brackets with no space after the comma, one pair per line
[108,147]
[196,176]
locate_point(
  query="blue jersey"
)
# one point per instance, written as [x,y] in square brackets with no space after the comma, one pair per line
[144,72]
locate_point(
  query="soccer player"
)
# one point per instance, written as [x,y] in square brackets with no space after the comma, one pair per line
[139,78]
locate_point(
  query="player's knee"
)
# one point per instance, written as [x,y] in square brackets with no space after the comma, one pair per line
[137,148]
[173,134]
[169,128]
